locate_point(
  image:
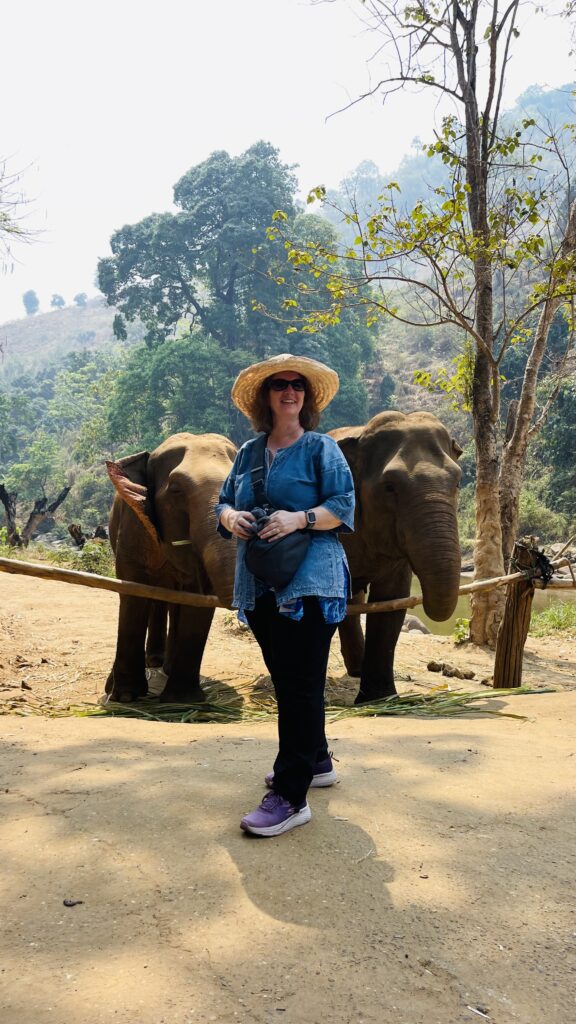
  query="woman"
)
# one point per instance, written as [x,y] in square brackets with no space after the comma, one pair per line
[309,483]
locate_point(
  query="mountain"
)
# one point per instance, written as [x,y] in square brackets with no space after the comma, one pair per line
[32,343]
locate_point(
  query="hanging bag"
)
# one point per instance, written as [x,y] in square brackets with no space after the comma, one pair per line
[272,562]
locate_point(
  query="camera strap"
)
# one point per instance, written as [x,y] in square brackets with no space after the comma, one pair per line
[258,471]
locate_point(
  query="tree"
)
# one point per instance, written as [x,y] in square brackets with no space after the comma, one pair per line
[57,302]
[199,264]
[31,302]
[81,299]
[200,281]
[40,467]
[483,253]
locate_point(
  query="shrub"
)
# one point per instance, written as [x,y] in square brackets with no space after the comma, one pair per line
[555,619]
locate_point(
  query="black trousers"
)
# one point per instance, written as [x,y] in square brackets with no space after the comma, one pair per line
[296,656]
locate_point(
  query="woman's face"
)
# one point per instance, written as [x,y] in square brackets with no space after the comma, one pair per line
[286,404]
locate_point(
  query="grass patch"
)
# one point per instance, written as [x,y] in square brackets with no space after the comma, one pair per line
[96,556]
[558,618]
[435,705]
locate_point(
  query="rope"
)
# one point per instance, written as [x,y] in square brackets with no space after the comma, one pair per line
[543,569]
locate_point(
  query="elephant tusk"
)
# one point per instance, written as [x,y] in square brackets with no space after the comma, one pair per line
[179,543]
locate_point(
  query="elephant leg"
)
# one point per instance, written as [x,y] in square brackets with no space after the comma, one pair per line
[352,639]
[156,638]
[382,632]
[189,628]
[127,680]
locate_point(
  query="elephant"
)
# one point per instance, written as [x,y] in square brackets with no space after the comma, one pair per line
[163,532]
[406,479]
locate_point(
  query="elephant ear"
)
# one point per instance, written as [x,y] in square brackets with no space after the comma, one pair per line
[129,479]
[456,450]
[347,439]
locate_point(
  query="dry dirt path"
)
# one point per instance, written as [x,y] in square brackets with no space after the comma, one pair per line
[434,885]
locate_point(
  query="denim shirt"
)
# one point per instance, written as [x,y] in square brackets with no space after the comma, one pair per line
[308,473]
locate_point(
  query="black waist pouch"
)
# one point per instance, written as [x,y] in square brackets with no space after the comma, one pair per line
[275,562]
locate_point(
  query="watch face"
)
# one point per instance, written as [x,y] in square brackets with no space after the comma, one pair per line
[310,518]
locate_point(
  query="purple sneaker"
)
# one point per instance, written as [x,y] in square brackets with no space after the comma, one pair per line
[274,816]
[324,775]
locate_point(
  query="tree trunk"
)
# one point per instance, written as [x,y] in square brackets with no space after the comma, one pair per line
[515,624]
[8,499]
[39,513]
[487,606]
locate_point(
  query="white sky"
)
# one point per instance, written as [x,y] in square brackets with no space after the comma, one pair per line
[106,105]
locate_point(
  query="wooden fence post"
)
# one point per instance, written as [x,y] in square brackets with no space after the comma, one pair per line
[515,623]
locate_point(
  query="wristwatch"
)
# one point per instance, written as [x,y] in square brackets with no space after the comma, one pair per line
[310,519]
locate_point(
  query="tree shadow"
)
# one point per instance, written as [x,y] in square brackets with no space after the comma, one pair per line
[410,896]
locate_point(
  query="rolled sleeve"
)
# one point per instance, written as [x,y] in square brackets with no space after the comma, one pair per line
[342,507]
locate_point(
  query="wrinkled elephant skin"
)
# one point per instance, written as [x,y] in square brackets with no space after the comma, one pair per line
[164,497]
[406,479]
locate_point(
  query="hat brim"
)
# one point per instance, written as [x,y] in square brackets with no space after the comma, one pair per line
[322,380]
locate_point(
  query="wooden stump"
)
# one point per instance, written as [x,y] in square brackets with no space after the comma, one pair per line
[515,624]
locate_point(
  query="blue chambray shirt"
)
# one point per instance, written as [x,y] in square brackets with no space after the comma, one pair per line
[310,472]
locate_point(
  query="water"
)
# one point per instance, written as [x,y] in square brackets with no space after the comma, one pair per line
[542,600]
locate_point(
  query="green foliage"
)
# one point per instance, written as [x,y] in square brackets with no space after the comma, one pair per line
[457,387]
[97,557]
[57,301]
[40,471]
[183,384]
[81,300]
[461,632]
[558,618]
[555,448]
[207,263]
[537,519]
[31,302]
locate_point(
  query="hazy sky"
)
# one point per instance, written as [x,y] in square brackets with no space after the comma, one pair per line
[106,105]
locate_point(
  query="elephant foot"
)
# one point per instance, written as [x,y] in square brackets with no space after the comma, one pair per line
[178,694]
[354,671]
[125,691]
[373,695]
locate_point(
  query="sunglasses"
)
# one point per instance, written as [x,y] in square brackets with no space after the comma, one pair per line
[279,384]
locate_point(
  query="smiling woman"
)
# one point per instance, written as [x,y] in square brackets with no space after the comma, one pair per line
[307,483]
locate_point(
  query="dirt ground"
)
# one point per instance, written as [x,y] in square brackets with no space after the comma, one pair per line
[434,885]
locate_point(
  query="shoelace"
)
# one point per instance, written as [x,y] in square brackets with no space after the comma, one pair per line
[272,801]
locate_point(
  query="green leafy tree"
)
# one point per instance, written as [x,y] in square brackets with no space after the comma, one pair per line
[198,265]
[81,299]
[459,258]
[31,302]
[40,468]
[57,301]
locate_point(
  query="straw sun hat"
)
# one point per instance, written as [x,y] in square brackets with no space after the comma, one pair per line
[322,381]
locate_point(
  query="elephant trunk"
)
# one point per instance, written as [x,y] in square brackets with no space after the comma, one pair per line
[433,549]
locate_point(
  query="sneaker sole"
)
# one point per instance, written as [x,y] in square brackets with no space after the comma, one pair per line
[318,781]
[300,817]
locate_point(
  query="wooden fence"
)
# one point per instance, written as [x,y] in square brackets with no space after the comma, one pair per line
[511,636]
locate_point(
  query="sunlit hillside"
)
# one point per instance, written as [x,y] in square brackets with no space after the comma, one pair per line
[32,342]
